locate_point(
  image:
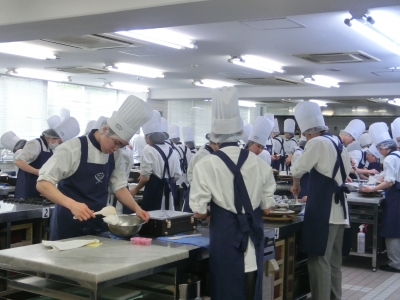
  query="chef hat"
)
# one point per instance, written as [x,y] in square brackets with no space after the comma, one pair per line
[365,139]
[132,114]
[164,124]
[99,122]
[153,125]
[90,126]
[308,115]
[379,132]
[246,132]
[173,131]
[270,117]
[9,139]
[372,149]
[225,111]
[355,128]
[396,128]
[276,126]
[187,134]
[261,130]
[289,125]
[64,114]
[53,121]
[67,129]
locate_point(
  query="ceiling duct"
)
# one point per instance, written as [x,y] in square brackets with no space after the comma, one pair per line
[81,70]
[267,81]
[95,41]
[337,57]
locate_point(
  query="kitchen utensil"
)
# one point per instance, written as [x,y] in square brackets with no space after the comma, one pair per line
[183,236]
[127,226]
[105,211]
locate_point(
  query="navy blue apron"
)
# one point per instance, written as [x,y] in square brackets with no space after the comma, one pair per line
[375,165]
[156,187]
[89,185]
[319,202]
[391,210]
[361,164]
[186,207]
[279,164]
[26,182]
[269,147]
[229,234]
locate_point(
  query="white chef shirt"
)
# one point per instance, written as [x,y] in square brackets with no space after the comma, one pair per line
[277,146]
[199,155]
[290,145]
[31,151]
[138,143]
[65,161]
[212,179]
[391,165]
[152,162]
[357,156]
[296,154]
[319,153]
[265,156]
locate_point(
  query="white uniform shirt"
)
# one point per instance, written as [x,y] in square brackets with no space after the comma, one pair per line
[290,145]
[138,143]
[212,179]
[391,165]
[319,153]
[357,156]
[277,147]
[181,151]
[265,156]
[296,154]
[65,161]
[31,151]
[199,155]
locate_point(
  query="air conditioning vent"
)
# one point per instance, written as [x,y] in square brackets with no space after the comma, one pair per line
[337,57]
[95,41]
[267,81]
[81,70]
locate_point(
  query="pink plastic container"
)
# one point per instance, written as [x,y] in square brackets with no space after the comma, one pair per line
[141,241]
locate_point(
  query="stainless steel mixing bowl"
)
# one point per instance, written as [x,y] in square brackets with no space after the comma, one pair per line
[297,208]
[127,226]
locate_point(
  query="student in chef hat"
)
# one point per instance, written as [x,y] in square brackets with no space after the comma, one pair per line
[86,168]
[188,138]
[365,140]
[12,142]
[386,146]
[290,143]
[246,132]
[232,263]
[326,214]
[269,144]
[258,137]
[64,113]
[278,149]
[53,121]
[361,160]
[164,127]
[352,131]
[159,168]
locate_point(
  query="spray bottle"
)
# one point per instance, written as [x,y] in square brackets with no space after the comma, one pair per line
[361,239]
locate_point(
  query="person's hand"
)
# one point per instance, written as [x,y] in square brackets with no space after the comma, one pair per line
[288,159]
[266,211]
[304,199]
[200,216]
[352,162]
[295,189]
[348,179]
[367,189]
[81,211]
[144,215]
[373,171]
[274,157]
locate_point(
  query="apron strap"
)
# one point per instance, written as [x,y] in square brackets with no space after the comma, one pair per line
[209,149]
[294,140]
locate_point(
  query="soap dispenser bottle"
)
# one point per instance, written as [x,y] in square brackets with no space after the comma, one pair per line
[361,240]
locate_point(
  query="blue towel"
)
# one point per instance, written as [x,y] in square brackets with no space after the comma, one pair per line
[194,240]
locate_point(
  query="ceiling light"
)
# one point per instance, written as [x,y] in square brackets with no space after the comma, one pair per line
[321,103]
[27,50]
[125,86]
[162,37]
[394,68]
[327,112]
[210,83]
[247,103]
[290,109]
[365,27]
[135,70]
[395,101]
[321,81]
[256,63]
[38,74]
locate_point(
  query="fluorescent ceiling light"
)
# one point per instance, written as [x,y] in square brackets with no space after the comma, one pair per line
[247,103]
[127,87]
[257,63]
[39,74]
[135,70]
[322,81]
[27,50]
[162,37]
[327,112]
[321,103]
[395,102]
[210,83]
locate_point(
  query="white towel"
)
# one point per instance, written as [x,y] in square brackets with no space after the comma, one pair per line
[67,245]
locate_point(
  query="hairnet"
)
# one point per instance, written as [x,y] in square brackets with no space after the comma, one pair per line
[156,137]
[208,136]
[166,135]
[316,129]
[229,137]
[175,140]
[387,144]
[190,145]
[290,133]
[19,145]
[51,133]
[248,144]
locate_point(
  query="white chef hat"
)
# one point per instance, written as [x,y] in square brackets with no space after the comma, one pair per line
[261,131]
[276,126]
[99,122]
[187,134]
[132,114]
[355,128]
[308,115]
[9,139]
[153,125]
[90,126]
[64,113]
[365,139]
[173,131]
[379,132]
[53,121]
[164,124]
[225,111]
[246,132]
[372,149]
[396,128]
[67,129]
[289,126]
[270,117]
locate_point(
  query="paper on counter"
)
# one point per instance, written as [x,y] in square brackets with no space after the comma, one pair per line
[67,245]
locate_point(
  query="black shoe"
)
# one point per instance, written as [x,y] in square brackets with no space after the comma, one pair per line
[388,268]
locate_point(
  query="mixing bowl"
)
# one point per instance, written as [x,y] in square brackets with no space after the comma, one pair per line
[127,226]
[297,207]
